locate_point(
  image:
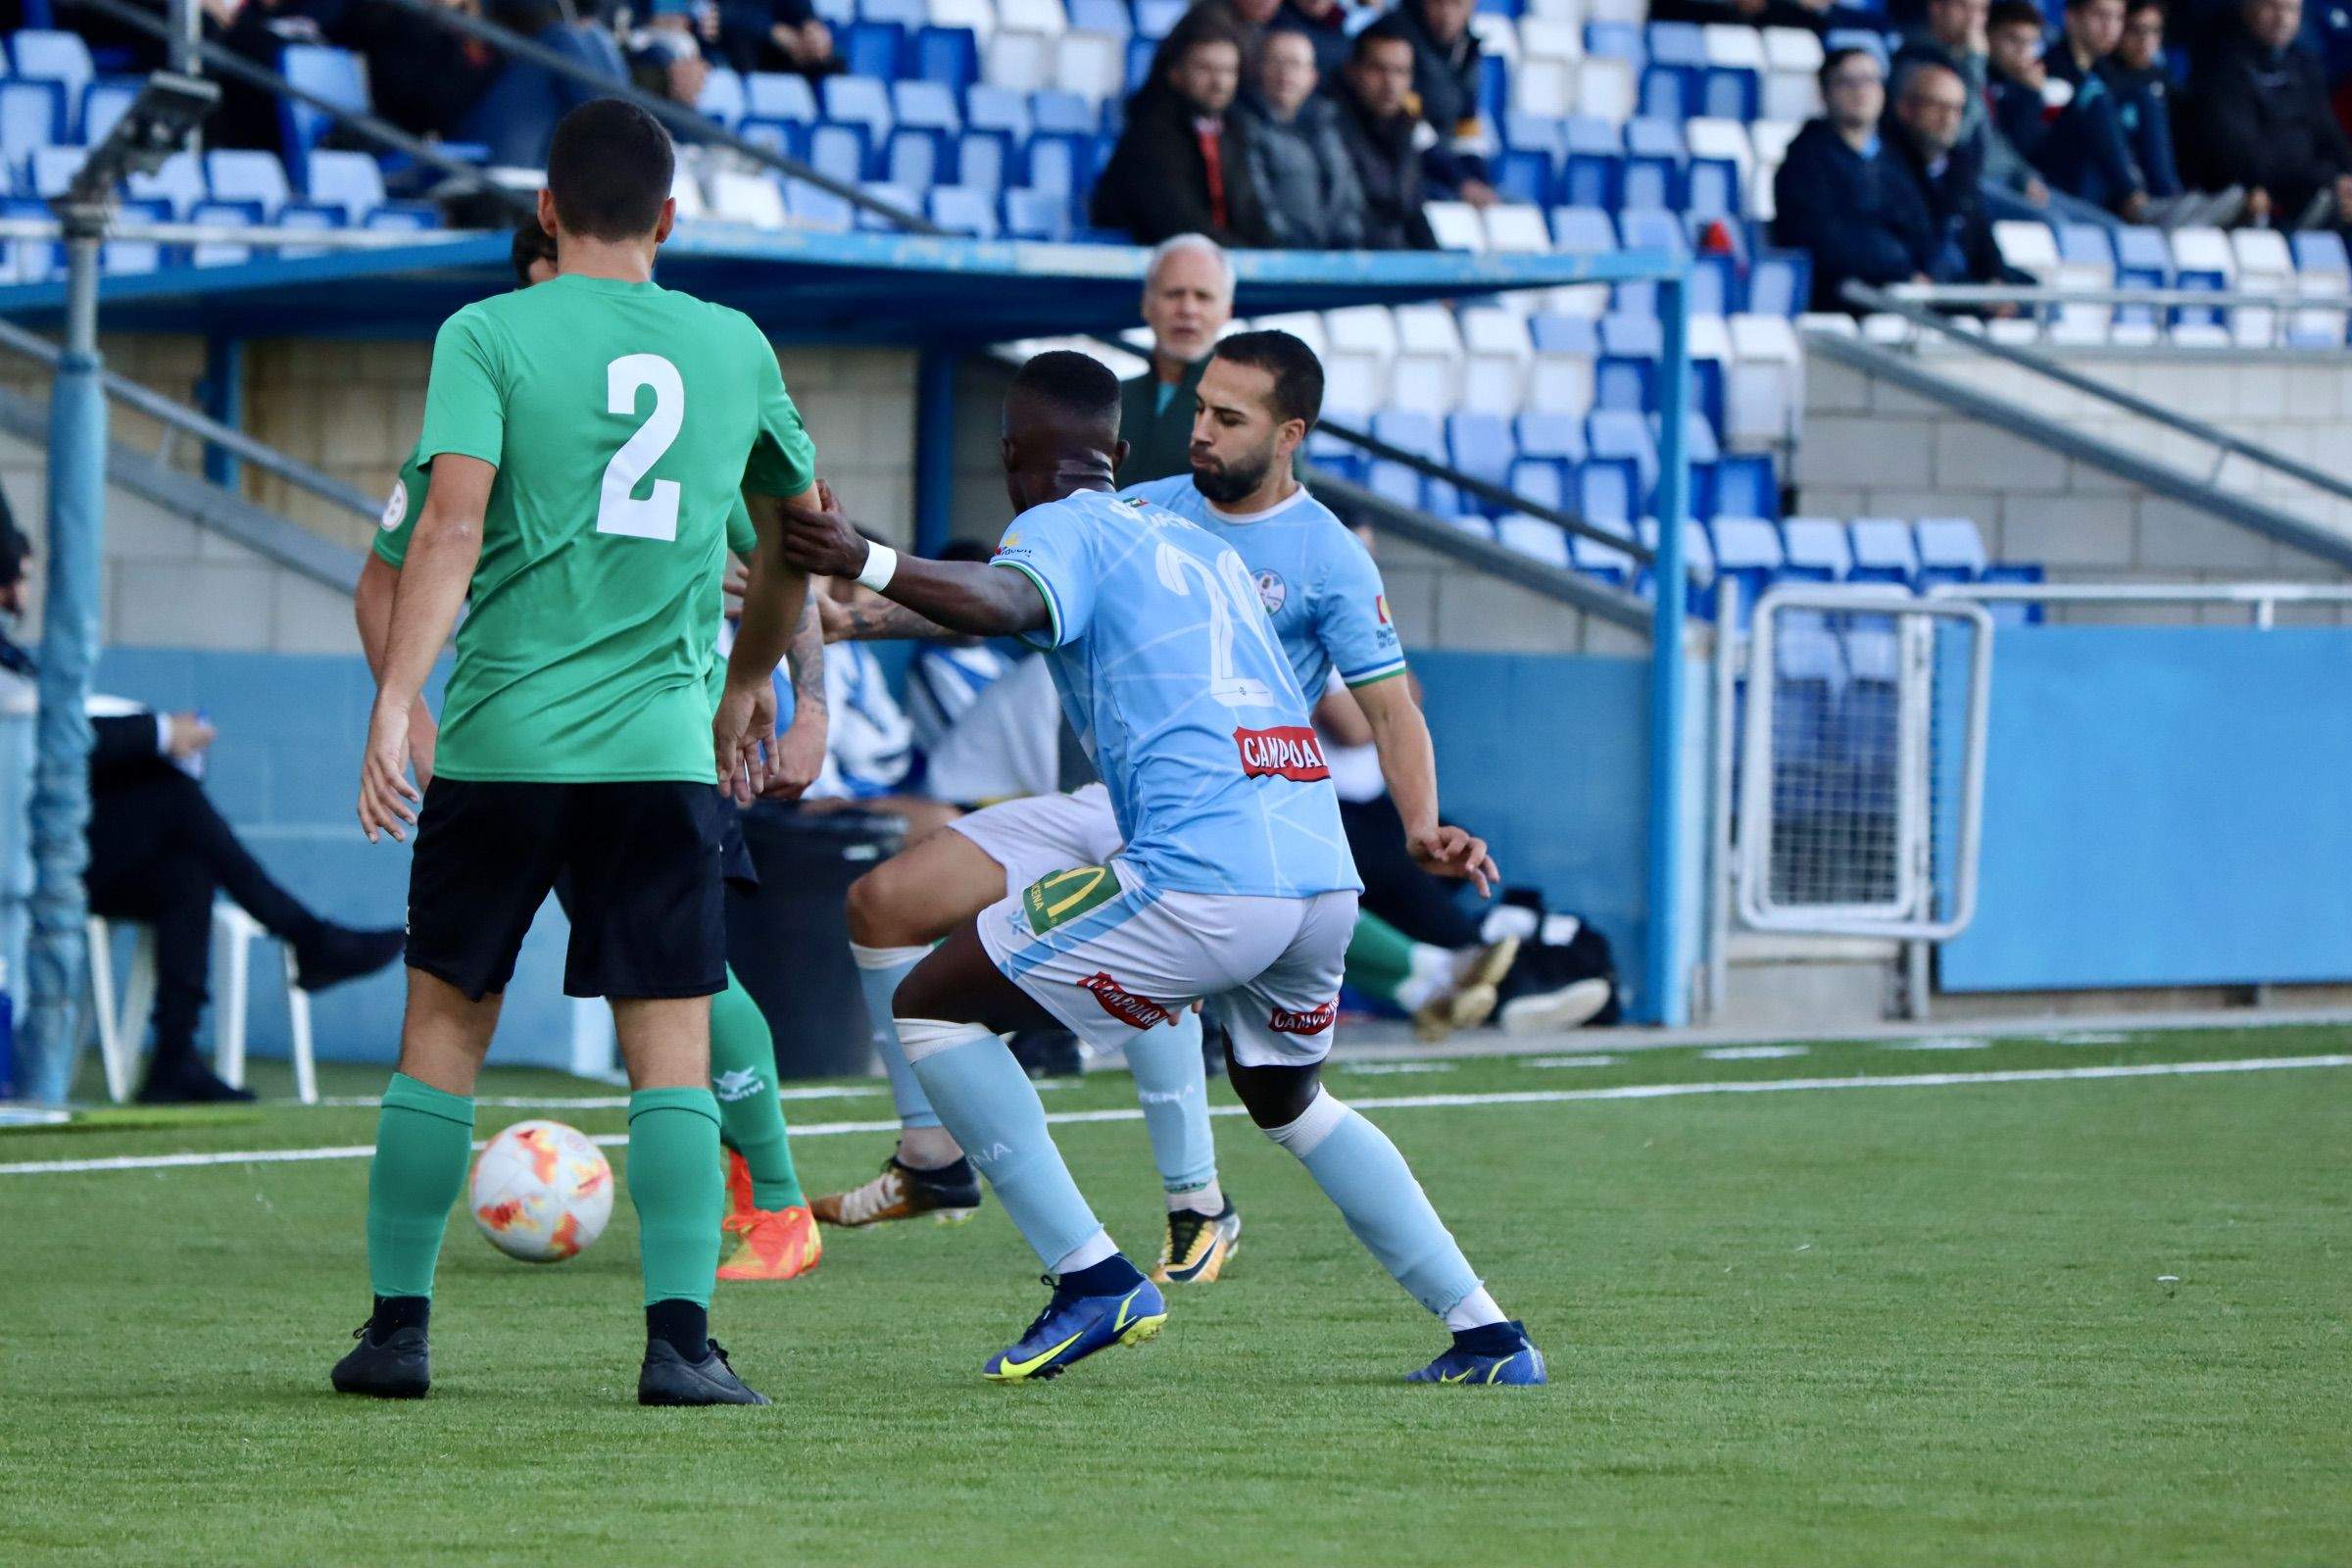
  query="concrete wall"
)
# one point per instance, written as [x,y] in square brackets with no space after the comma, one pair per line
[1872,449]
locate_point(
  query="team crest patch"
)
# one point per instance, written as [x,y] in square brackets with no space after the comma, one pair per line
[396,506]
[1136,1012]
[1272,591]
[1287,751]
[1304,1023]
[1380,605]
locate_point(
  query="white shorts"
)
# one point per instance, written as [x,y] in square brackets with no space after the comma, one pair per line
[1040,834]
[1117,957]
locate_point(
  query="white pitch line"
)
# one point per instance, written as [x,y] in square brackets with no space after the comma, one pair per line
[563,1103]
[1524,1096]
[1751,1053]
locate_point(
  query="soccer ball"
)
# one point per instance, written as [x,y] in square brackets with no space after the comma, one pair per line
[542,1192]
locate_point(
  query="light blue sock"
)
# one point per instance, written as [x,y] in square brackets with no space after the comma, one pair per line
[1172,1086]
[989,1106]
[879,971]
[1361,1171]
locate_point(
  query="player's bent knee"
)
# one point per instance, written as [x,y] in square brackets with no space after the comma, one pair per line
[1274,1097]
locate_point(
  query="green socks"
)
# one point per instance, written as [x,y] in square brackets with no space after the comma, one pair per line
[743,1076]
[1379,958]
[680,1196]
[424,1137]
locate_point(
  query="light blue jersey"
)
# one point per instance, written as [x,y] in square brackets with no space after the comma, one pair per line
[1161,650]
[1315,579]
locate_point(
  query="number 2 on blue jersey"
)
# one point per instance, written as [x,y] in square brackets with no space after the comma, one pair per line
[1228,589]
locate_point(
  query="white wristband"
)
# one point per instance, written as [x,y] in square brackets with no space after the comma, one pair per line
[881,564]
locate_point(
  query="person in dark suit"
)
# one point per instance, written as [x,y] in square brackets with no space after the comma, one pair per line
[1188,299]
[1182,165]
[1923,130]
[1842,195]
[160,853]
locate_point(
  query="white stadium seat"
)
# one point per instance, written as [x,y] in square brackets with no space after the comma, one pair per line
[1517,229]
[1022,62]
[742,197]
[1498,37]
[1604,90]
[1092,65]
[1363,341]
[1455,224]
[2029,245]
[978,15]
[2265,266]
[1428,373]
[1032,16]
[1549,40]
[1496,353]
[1792,49]
[1545,87]
[1741,48]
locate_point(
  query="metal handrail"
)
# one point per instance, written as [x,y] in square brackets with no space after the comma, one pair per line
[2043,364]
[2043,294]
[170,233]
[2262,599]
[230,64]
[15,339]
[680,119]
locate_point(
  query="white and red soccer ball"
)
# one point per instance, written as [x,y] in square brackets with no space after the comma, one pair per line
[541,1191]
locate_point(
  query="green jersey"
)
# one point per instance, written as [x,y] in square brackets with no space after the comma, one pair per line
[625,421]
[405,505]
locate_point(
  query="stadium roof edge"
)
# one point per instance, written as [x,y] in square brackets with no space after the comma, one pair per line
[800,286]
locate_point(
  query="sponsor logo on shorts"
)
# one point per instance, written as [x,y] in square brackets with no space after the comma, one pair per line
[1304,1023]
[1288,750]
[1136,1012]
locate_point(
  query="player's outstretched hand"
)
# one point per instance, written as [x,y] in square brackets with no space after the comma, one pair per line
[387,800]
[746,718]
[823,543]
[1452,852]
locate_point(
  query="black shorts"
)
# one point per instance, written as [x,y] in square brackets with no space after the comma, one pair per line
[643,867]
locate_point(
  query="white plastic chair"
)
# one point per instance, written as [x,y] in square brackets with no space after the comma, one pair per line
[1455,224]
[1428,371]
[1517,229]
[1362,346]
[1092,65]
[120,1028]
[1604,88]
[1495,352]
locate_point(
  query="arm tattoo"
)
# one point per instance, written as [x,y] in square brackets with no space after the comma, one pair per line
[877,619]
[806,655]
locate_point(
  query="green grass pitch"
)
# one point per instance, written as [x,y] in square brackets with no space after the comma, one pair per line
[2066,1321]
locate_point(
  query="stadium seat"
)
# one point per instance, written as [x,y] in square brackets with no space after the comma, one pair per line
[348,181]
[1883,552]
[787,138]
[1609,490]
[31,116]
[335,75]
[814,207]
[178,183]
[2321,272]
[1759,400]
[981,161]
[1748,551]
[841,152]
[722,97]
[1092,65]
[1035,214]
[997,111]
[977,17]
[2264,266]
[903,198]
[1481,446]
[1815,549]
[414,218]
[741,196]
[1743,485]
[1455,226]
[1513,228]
[1496,353]
[1607,562]
[1560,376]
[1021,61]
[53,169]
[858,101]
[1616,435]
[1699,565]
[2201,260]
[1427,373]
[43,55]
[1654,155]
[949,55]
[873,49]
[1534,538]
[960,210]
[1781,283]
[1950,550]
[775,95]
[1539,484]
[103,102]
[1605,89]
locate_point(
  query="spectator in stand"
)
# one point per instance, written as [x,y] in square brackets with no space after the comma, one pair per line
[2087,40]
[2068,133]
[516,116]
[668,63]
[1378,124]
[1445,76]
[1302,166]
[1842,195]
[784,36]
[1188,299]
[1930,105]
[2143,84]
[424,79]
[1954,33]
[1247,20]
[256,31]
[1323,24]
[1182,165]
[2261,116]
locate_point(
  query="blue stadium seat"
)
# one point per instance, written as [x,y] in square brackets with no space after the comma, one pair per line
[871,50]
[1744,483]
[1525,175]
[1730,92]
[1781,283]
[982,160]
[1532,538]
[1815,549]
[53,169]
[1067,113]
[1711,188]
[998,108]
[922,152]
[723,97]
[412,216]
[1583,231]
[221,215]
[1603,562]
[1101,16]
[304,215]
[906,199]
[1609,490]
[916,160]
[1537,483]
[1551,437]
[949,55]
[908,14]
[1533,132]
[1699,566]
[349,183]
[1614,40]
[925,106]
[32,115]
[1493,86]
[1653,165]
[964,212]
[1626,377]
[858,101]
[1036,214]
[1614,434]
[1059,162]
[42,55]
[786,137]
[814,207]
[30,261]
[2320,253]
[778,95]
[178,183]
[1334,456]
[1748,551]
[1156,18]
[1883,552]
[2143,259]
[1592,164]
[335,75]
[1418,433]
[1950,550]
[1481,446]
[103,102]
[842,152]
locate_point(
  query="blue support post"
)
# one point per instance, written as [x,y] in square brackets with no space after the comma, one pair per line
[223,400]
[1665,995]
[56,956]
[934,448]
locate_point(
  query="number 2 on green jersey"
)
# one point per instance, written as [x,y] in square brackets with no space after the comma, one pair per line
[654,515]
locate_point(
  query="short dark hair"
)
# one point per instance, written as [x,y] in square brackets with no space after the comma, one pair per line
[1298,375]
[1838,57]
[2076,5]
[2133,8]
[609,169]
[1388,29]
[531,244]
[2015,14]
[1208,29]
[1070,383]
[1911,61]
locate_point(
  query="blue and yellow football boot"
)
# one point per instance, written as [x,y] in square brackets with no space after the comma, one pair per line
[1073,1327]
[1499,1354]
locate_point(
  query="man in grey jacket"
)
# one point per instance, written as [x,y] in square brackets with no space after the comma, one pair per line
[1304,174]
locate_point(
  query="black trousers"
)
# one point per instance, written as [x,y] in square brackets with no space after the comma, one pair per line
[1422,907]
[159,853]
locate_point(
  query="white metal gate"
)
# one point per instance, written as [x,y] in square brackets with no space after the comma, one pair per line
[1858,801]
